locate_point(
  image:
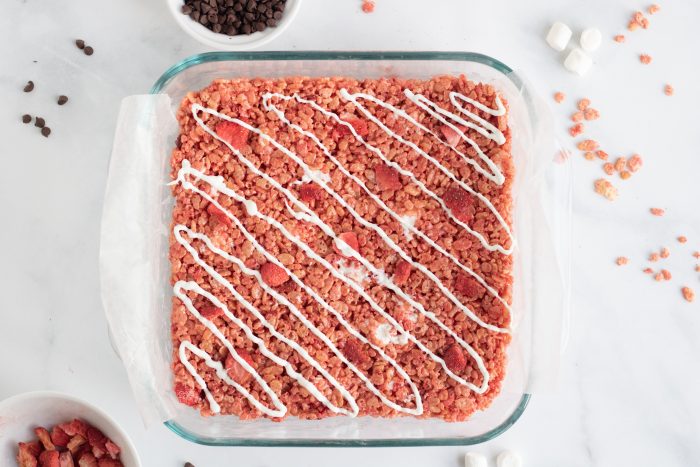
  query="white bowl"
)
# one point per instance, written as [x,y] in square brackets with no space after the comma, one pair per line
[19,415]
[233,43]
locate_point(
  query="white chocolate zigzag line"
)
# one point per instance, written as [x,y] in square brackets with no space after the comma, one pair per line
[354,99]
[216,366]
[280,114]
[347,251]
[497,112]
[306,384]
[283,300]
[486,129]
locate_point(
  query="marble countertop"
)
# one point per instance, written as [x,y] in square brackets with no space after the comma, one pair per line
[627,393]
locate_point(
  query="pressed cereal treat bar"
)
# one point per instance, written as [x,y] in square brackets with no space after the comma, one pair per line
[341,247]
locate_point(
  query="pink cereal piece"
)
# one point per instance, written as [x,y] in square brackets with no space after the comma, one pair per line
[634,163]
[632,26]
[583,104]
[697,268]
[588,155]
[602,155]
[606,189]
[591,114]
[653,9]
[645,59]
[620,163]
[619,38]
[608,168]
[696,254]
[576,130]
[668,90]
[559,97]
[665,252]
[647,270]
[666,274]
[688,294]
[625,175]
[587,145]
[657,212]
[644,23]
[682,239]
[637,17]
[577,117]
[621,260]
[658,277]
[654,257]
[367,6]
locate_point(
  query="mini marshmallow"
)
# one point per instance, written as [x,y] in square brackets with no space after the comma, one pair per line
[474,459]
[509,459]
[558,36]
[578,61]
[591,39]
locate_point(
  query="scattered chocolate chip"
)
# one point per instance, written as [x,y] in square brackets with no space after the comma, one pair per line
[39,122]
[234,17]
[88,50]
[189,464]
[29,87]
[79,43]
[26,118]
[46,131]
[62,100]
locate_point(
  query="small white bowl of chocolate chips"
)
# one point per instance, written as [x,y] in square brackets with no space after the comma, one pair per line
[234,24]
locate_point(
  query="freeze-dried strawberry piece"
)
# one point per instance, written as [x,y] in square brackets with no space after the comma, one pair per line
[309,192]
[236,370]
[460,203]
[112,449]
[49,459]
[87,460]
[468,286]
[273,275]
[65,459]
[75,443]
[233,133]
[219,215]
[358,124]
[402,271]
[576,130]
[454,358]
[76,427]
[59,437]
[45,438]
[387,178]
[97,441]
[350,239]
[354,352]
[451,136]
[107,462]
[605,189]
[27,454]
[367,6]
[210,311]
[186,394]
[559,97]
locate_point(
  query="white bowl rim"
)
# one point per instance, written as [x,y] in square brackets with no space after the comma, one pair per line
[224,42]
[25,396]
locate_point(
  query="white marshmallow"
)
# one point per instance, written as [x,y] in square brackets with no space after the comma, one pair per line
[578,61]
[591,39]
[509,459]
[558,36]
[474,459]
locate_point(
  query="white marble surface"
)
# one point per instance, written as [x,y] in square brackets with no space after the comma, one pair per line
[628,392]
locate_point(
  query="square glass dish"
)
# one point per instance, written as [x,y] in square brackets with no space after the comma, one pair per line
[135,274]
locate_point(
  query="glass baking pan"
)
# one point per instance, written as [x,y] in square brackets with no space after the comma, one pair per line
[540,216]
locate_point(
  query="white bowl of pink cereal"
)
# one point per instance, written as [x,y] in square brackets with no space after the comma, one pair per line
[50,428]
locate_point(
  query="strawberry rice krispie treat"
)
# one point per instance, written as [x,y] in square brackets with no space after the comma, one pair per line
[341,247]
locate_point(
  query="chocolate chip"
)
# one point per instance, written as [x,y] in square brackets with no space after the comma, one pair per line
[62,100]
[79,43]
[46,131]
[29,87]
[233,17]
[186,10]
[189,464]
[88,50]
[26,118]
[39,122]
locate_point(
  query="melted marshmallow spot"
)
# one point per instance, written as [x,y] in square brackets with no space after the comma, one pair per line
[354,272]
[384,334]
[408,222]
